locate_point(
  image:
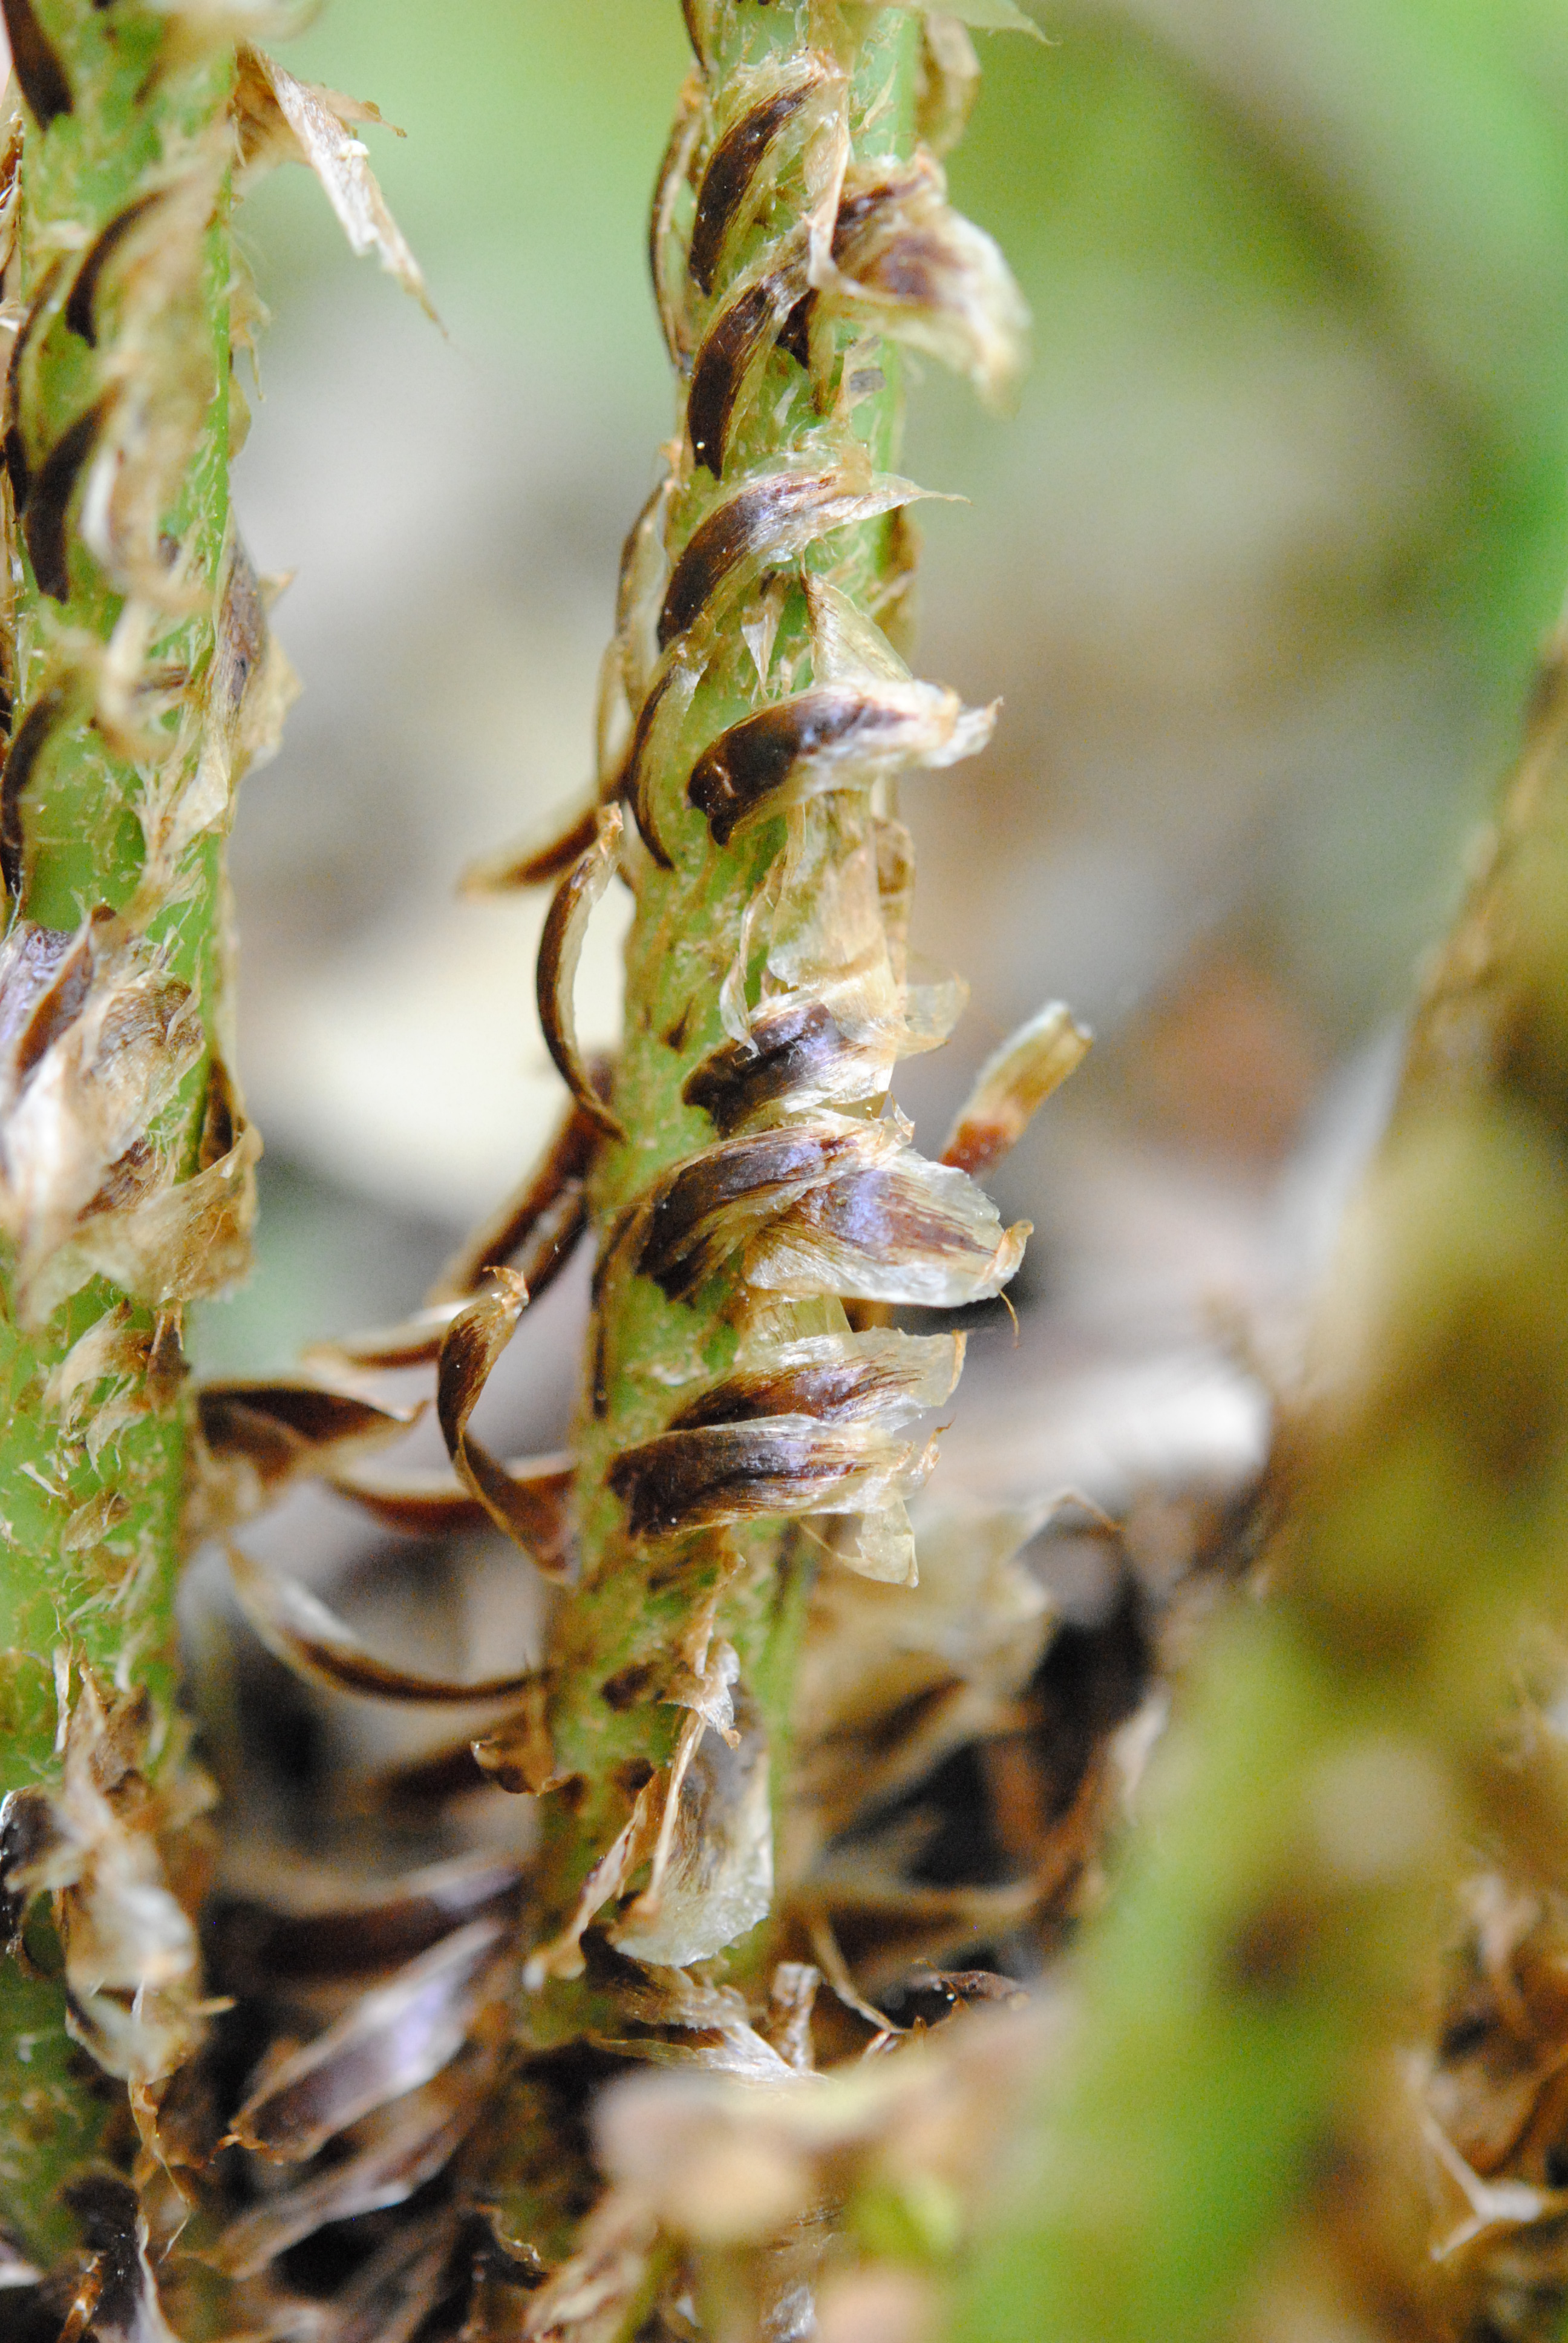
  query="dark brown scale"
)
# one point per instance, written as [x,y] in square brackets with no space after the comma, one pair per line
[261,1946]
[633,787]
[15,459]
[413,1792]
[694,1192]
[732,532]
[735,339]
[871,1212]
[795,333]
[29,1830]
[617,1241]
[742,769]
[128,1179]
[49,499]
[21,757]
[631,1684]
[548,1206]
[69,957]
[731,169]
[37,68]
[220,1116]
[537,865]
[16,446]
[692,1480]
[729,535]
[79,308]
[857,211]
[911,268]
[670,297]
[842,1390]
[243,1419]
[786,1048]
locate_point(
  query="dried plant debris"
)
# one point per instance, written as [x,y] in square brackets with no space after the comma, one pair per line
[1016,1080]
[281,119]
[93,1846]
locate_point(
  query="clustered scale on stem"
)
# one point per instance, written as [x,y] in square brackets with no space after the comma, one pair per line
[139,681]
[760,1207]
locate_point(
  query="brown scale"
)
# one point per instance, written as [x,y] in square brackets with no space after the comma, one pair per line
[714,1473]
[17,462]
[27,746]
[733,166]
[768,521]
[39,70]
[786,1045]
[736,775]
[765,1172]
[51,489]
[81,312]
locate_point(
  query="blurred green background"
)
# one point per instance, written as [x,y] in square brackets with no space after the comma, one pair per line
[1259,567]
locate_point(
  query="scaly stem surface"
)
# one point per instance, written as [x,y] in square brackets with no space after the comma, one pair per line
[120,1164]
[636,1601]
[754,1184]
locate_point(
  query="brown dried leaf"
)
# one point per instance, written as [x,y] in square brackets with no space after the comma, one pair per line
[299,1630]
[1014,1080]
[394,2040]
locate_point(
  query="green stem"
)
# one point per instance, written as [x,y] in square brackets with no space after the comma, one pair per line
[1265,1945]
[637,1600]
[115,1205]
